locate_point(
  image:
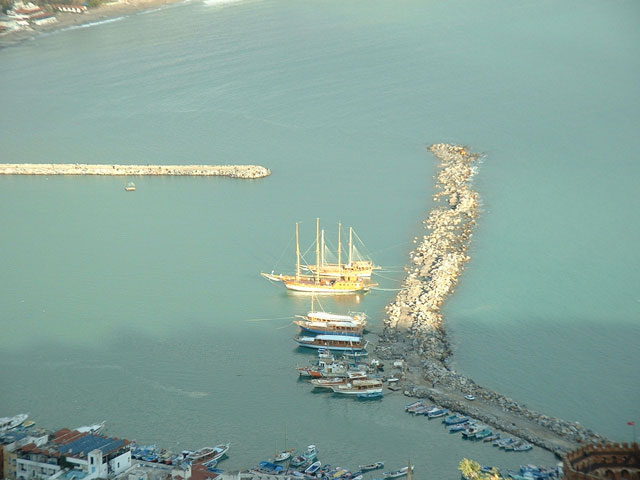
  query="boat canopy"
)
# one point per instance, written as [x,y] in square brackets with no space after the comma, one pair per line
[330,316]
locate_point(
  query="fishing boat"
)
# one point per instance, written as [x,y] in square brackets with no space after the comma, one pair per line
[268,468]
[438,412]
[7,423]
[335,381]
[484,433]
[356,264]
[371,466]
[28,423]
[397,473]
[370,395]
[209,453]
[334,342]
[130,187]
[359,386]
[522,447]
[313,468]
[346,283]
[455,419]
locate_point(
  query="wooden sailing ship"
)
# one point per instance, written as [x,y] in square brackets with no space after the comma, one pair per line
[345,283]
[356,264]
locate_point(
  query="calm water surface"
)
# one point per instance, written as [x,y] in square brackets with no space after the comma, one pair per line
[147,309]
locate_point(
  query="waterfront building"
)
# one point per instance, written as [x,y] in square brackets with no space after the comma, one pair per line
[612,461]
[69,454]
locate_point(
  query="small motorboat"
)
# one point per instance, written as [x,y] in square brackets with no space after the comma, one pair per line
[522,447]
[439,412]
[284,455]
[131,187]
[91,428]
[455,419]
[370,395]
[371,466]
[313,468]
[268,468]
[397,473]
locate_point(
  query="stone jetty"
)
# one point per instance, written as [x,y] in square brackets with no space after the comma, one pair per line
[234,171]
[414,330]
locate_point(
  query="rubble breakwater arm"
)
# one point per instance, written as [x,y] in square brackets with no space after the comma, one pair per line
[414,330]
[234,171]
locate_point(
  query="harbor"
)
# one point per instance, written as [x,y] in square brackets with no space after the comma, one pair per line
[233,171]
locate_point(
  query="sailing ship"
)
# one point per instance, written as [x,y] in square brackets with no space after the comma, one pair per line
[346,282]
[356,265]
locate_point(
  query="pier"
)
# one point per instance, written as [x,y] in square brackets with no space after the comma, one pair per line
[233,171]
[414,330]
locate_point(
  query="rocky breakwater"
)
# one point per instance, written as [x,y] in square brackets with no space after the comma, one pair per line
[234,171]
[414,330]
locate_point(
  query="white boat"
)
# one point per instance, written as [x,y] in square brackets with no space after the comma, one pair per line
[209,453]
[358,386]
[313,468]
[91,428]
[284,455]
[333,342]
[7,423]
[398,473]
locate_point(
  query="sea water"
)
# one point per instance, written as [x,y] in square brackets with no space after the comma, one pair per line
[146,309]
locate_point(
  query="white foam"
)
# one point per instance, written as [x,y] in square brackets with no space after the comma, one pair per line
[216,3]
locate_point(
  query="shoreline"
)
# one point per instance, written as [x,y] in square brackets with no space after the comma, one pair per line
[414,330]
[107,11]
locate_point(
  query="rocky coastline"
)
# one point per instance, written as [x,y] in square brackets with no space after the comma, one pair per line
[233,171]
[414,330]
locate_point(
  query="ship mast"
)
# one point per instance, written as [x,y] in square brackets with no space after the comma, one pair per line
[317,250]
[339,247]
[322,250]
[350,244]
[297,252]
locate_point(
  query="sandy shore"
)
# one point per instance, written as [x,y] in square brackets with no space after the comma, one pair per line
[101,13]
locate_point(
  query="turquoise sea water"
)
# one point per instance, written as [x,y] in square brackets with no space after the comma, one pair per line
[147,310]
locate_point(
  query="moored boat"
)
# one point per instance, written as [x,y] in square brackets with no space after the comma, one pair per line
[371,466]
[209,453]
[334,381]
[440,412]
[345,283]
[370,395]
[357,386]
[396,473]
[334,342]
[330,328]
[313,468]
[7,423]
[91,428]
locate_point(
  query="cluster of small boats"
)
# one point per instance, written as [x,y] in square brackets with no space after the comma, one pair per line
[344,376]
[208,456]
[306,465]
[526,472]
[469,428]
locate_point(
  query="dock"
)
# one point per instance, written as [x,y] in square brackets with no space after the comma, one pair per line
[233,171]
